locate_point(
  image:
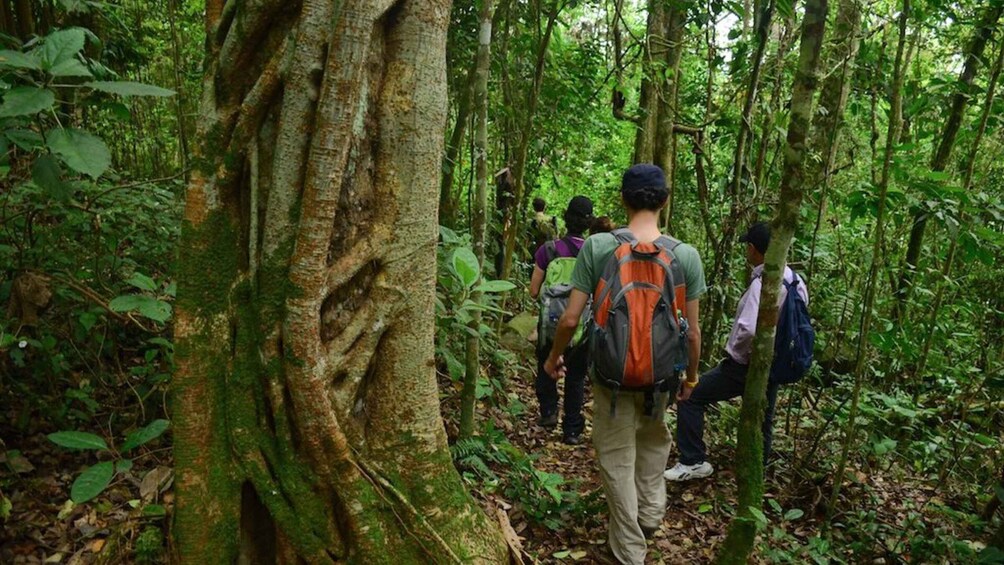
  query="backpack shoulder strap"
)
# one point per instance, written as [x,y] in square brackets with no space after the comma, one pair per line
[624,235]
[551,249]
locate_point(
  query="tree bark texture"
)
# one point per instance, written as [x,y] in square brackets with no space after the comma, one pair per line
[479,219]
[868,302]
[307,424]
[749,451]
[939,162]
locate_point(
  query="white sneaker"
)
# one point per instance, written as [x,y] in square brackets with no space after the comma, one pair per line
[681,472]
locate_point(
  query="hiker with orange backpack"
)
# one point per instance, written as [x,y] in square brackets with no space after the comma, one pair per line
[792,358]
[645,289]
[551,283]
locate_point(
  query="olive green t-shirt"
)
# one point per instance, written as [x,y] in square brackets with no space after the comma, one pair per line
[598,249]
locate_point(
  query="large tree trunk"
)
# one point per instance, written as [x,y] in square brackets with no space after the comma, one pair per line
[307,424]
[868,303]
[939,162]
[829,118]
[479,221]
[749,451]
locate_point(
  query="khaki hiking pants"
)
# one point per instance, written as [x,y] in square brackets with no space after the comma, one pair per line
[632,450]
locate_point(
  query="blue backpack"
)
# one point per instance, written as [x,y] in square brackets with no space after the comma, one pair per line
[795,338]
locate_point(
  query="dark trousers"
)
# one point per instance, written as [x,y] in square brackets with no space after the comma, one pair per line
[576,362]
[724,382]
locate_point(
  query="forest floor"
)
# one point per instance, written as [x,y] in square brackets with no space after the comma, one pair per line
[897,505]
[884,506]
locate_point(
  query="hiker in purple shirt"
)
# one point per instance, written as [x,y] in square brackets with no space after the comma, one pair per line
[578,219]
[728,379]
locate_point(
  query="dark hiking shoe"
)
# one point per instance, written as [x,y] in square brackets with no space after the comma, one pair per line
[649,533]
[572,439]
[548,422]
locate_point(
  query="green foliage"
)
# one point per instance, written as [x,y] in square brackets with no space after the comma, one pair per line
[93,480]
[495,465]
[460,292]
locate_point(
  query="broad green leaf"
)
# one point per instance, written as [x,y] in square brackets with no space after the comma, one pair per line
[61,46]
[87,320]
[92,482]
[24,138]
[758,515]
[142,282]
[19,60]
[81,151]
[150,307]
[156,310]
[5,507]
[704,508]
[78,440]
[495,286]
[45,172]
[143,435]
[448,235]
[465,265]
[71,68]
[26,101]
[129,88]
[793,514]
[123,465]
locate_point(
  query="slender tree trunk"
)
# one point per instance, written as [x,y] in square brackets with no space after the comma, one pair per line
[513,221]
[829,118]
[648,108]
[967,183]
[447,200]
[479,218]
[767,129]
[25,19]
[179,97]
[868,302]
[960,101]
[307,425]
[749,451]
[665,136]
[720,271]
[7,19]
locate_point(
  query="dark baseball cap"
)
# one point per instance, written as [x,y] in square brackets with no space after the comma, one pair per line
[643,175]
[758,235]
[581,206]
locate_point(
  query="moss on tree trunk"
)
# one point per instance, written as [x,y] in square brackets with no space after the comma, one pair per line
[749,452]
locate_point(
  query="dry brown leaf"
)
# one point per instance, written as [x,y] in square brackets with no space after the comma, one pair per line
[153,482]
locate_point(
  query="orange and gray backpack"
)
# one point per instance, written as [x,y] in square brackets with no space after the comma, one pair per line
[639,340]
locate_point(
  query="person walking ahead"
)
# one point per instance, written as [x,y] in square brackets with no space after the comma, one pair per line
[728,379]
[646,289]
[551,282]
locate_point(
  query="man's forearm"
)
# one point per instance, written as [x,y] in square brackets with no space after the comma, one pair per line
[562,337]
[694,360]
